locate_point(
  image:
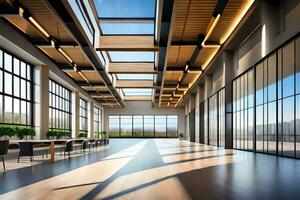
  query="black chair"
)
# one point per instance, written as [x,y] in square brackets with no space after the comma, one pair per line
[85,145]
[3,150]
[68,147]
[26,149]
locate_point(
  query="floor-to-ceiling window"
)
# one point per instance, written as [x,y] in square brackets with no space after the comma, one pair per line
[172,125]
[83,116]
[216,119]
[271,112]
[59,108]
[243,115]
[126,125]
[97,121]
[143,125]
[160,126]
[16,88]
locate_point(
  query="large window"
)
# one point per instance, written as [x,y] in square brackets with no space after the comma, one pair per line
[216,133]
[243,103]
[273,113]
[97,120]
[59,107]
[16,89]
[83,116]
[143,126]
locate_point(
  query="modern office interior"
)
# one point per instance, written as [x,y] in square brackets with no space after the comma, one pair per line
[150,99]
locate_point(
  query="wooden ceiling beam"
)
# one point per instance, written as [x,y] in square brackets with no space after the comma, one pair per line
[127,43]
[134,84]
[132,68]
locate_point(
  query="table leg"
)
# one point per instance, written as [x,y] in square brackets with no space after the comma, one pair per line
[52,151]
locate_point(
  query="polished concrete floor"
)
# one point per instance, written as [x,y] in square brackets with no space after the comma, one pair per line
[157,169]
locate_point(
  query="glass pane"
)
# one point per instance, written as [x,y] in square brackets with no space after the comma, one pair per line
[259,84]
[172,122]
[272,77]
[127,28]
[7,83]
[250,89]
[148,126]
[16,66]
[125,8]
[160,126]
[288,129]
[137,92]
[23,69]
[1,108]
[298,65]
[7,62]
[1,81]
[250,129]
[17,86]
[126,125]
[1,58]
[137,126]
[298,126]
[8,112]
[272,125]
[17,118]
[288,70]
[259,128]
[131,56]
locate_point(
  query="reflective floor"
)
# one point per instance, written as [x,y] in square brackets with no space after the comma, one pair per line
[157,169]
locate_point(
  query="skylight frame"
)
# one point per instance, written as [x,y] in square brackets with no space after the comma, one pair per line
[128,60]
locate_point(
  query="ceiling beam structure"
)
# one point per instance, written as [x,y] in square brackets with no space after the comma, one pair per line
[168,13]
[127,43]
[67,17]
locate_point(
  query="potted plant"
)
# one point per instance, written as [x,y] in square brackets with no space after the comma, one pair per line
[82,135]
[21,132]
[51,134]
[180,136]
[7,131]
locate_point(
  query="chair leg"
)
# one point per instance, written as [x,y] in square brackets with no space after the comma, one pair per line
[69,154]
[18,158]
[3,163]
[31,159]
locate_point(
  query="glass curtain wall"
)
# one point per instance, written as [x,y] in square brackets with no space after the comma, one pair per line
[206,122]
[216,119]
[143,125]
[276,110]
[60,114]
[97,121]
[83,125]
[16,89]
[243,105]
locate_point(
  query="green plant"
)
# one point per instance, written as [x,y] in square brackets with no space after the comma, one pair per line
[102,134]
[21,132]
[7,131]
[51,133]
[82,135]
[180,135]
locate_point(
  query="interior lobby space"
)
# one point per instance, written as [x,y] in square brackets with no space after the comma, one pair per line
[150,99]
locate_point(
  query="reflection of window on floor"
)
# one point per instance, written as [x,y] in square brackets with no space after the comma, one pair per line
[143,125]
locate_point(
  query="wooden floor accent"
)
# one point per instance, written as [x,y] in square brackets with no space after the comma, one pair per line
[164,169]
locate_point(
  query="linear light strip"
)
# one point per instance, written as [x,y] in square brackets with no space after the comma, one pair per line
[223,39]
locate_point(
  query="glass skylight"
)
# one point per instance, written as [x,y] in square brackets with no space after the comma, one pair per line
[131,56]
[135,76]
[125,8]
[137,92]
[127,28]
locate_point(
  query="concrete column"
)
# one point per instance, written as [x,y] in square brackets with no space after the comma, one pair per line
[228,67]
[75,114]
[41,105]
[90,120]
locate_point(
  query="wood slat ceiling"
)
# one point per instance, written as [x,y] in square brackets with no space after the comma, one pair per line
[192,18]
[179,55]
[43,15]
